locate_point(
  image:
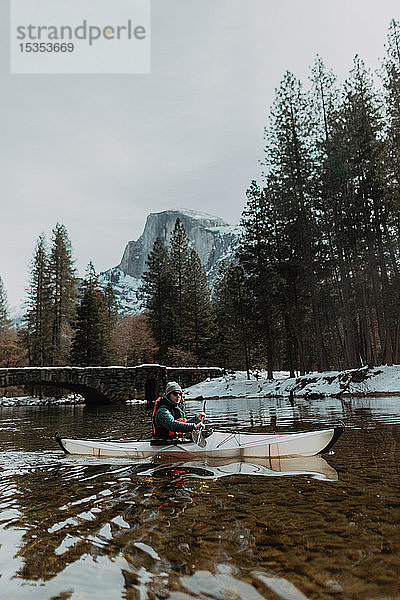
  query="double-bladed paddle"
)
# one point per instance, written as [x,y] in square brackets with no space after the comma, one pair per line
[197,434]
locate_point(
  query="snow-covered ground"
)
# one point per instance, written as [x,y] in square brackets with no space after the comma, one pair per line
[30,401]
[377,381]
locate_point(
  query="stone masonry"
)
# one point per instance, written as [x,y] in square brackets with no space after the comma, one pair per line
[104,385]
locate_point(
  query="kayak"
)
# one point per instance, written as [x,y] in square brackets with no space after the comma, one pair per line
[219,444]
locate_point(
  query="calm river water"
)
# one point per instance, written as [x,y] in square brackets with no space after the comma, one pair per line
[84,528]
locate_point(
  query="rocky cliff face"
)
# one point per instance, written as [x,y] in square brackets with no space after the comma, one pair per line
[212,238]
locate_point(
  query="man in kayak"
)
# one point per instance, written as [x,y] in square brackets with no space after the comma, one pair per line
[168,417]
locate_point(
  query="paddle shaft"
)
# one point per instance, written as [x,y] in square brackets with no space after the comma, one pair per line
[201,440]
[197,435]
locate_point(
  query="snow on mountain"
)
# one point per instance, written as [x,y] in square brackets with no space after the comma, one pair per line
[126,289]
[196,214]
[17,313]
[213,239]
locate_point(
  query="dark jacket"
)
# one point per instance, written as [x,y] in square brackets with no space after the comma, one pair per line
[165,419]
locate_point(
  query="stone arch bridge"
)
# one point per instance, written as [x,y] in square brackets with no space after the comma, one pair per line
[104,385]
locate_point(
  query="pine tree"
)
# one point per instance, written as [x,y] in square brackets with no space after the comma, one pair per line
[290,164]
[391,80]
[336,295]
[38,332]
[256,256]
[111,305]
[231,305]
[197,311]
[112,310]
[179,260]
[222,338]
[92,342]
[366,211]
[160,298]
[63,294]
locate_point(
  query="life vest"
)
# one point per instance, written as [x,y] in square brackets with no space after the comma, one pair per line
[177,413]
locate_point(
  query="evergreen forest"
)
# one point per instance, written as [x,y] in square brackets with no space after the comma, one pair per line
[316,282]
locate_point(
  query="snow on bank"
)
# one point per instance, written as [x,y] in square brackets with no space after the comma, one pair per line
[31,401]
[136,401]
[376,381]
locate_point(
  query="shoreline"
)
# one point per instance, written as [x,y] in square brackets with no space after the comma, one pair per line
[364,382]
[302,396]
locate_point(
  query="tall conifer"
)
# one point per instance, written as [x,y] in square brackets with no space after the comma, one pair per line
[257,259]
[38,316]
[92,342]
[197,310]
[336,295]
[366,210]
[111,305]
[63,294]
[290,163]
[391,79]
[179,261]
[160,297]
[231,303]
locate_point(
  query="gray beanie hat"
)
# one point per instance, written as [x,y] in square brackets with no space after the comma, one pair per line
[172,386]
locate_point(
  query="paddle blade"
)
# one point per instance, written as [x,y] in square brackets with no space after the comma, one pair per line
[198,438]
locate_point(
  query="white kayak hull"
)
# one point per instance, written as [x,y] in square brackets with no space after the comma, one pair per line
[219,444]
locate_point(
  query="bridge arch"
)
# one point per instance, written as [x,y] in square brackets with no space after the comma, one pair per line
[151,390]
[101,385]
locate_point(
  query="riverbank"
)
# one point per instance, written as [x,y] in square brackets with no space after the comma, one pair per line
[71,399]
[375,381]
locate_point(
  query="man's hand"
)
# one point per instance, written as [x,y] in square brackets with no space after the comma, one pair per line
[201,416]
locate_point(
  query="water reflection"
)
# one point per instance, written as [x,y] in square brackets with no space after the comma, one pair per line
[316,466]
[88,528]
[278,413]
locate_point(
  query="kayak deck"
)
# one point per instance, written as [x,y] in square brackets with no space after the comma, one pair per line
[218,444]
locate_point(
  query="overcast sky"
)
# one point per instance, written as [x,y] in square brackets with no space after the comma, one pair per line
[98,153]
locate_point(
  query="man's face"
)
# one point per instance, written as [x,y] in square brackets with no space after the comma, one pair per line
[175,397]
